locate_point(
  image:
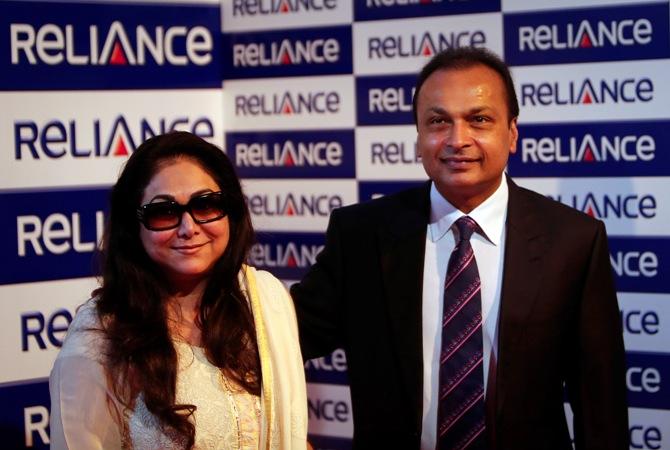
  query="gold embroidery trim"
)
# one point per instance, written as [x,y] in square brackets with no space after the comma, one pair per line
[263,350]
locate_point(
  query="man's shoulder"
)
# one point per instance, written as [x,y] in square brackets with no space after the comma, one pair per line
[551,210]
[415,199]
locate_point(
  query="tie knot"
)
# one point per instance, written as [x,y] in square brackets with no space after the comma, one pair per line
[466,226]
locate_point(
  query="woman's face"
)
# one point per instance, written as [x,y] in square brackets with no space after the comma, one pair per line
[188,252]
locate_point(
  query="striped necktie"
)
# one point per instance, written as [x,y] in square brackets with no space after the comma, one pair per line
[461,413]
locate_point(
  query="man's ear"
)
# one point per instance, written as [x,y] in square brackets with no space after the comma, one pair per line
[514,132]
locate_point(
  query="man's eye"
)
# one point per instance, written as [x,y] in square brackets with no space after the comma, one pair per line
[480,119]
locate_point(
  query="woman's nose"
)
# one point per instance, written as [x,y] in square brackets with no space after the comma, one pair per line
[188,225]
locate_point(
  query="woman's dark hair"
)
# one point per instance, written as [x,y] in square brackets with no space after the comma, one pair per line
[141,358]
[463,58]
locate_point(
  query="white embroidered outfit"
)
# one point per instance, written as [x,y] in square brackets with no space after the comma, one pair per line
[84,411]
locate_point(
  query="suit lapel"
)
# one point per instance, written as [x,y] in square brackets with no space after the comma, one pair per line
[402,245]
[524,249]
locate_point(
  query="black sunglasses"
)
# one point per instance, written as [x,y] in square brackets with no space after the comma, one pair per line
[205,208]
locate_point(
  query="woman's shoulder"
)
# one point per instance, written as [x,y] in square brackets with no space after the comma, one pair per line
[86,315]
[265,281]
[266,278]
[85,335]
[271,290]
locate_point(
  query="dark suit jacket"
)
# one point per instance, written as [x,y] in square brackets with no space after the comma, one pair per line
[559,323]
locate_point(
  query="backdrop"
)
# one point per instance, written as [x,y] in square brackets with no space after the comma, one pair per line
[312,101]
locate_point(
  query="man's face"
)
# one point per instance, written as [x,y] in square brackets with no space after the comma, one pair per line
[464,133]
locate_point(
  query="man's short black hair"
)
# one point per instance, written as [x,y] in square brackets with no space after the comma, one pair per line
[464,58]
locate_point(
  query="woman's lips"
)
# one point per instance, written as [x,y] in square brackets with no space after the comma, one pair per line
[188,249]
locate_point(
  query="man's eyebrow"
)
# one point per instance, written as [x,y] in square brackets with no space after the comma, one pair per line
[478,109]
[474,110]
[437,109]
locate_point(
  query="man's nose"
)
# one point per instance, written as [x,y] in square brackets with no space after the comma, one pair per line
[459,135]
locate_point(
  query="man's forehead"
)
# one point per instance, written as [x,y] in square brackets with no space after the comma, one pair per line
[465,71]
[487,88]
[472,88]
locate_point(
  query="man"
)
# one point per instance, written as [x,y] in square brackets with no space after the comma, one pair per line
[539,289]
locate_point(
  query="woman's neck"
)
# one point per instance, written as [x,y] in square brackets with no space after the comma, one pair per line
[182,309]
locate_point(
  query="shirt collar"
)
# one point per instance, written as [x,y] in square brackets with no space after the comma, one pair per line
[490,215]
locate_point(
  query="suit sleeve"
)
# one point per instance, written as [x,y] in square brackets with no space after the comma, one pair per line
[318,298]
[597,387]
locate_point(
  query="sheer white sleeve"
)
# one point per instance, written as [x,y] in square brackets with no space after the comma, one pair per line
[81,403]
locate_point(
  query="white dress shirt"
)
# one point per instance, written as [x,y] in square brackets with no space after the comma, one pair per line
[488,244]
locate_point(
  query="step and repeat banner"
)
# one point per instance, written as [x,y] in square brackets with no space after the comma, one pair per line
[311,99]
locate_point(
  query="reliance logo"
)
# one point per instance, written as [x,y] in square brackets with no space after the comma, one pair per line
[293,154]
[57,234]
[280,7]
[289,154]
[288,103]
[292,205]
[282,53]
[56,231]
[425,44]
[635,263]
[105,46]
[588,34]
[585,34]
[385,100]
[286,52]
[640,263]
[616,206]
[611,149]
[588,149]
[393,153]
[588,91]
[52,44]
[58,139]
[287,255]
[647,376]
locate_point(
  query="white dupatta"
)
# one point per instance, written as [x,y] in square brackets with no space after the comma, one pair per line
[284,396]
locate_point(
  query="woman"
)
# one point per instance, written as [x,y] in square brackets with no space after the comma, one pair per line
[182,346]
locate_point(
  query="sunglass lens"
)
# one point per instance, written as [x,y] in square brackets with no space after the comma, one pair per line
[208,207]
[161,216]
